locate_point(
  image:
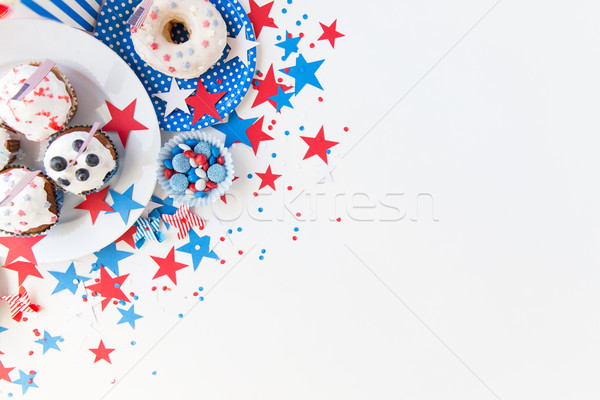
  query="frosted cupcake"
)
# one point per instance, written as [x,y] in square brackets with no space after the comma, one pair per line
[42,112]
[94,167]
[33,210]
[8,147]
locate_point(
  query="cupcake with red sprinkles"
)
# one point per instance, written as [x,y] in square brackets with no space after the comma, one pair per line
[195,168]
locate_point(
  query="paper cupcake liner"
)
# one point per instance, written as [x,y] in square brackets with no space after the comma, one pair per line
[108,176]
[9,155]
[214,194]
[58,199]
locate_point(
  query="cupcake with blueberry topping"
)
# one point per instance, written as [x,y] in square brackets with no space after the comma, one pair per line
[90,171]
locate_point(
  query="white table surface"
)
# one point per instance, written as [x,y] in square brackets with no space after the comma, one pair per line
[465,264]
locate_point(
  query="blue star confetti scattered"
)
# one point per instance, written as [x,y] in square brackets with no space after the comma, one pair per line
[128,316]
[166,207]
[123,204]
[289,44]
[2,329]
[282,99]
[198,247]
[109,257]
[304,73]
[67,280]
[49,342]
[235,129]
[26,381]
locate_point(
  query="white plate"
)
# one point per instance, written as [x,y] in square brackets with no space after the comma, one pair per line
[97,74]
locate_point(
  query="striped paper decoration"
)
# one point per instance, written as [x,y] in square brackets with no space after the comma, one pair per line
[81,14]
[147,228]
[19,303]
[183,220]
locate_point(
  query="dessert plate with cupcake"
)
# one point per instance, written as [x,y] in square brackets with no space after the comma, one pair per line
[56,128]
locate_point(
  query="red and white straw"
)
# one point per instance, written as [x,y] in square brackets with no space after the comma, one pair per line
[87,140]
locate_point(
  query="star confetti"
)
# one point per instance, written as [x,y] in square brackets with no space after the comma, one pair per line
[26,381]
[67,280]
[239,47]
[123,204]
[318,146]
[109,257]
[102,353]
[175,98]
[198,247]
[94,203]
[24,269]
[147,228]
[235,129]
[168,266]
[256,135]
[49,342]
[20,247]
[128,316]
[183,220]
[267,87]
[304,73]
[19,304]
[282,99]
[289,45]
[259,16]
[330,33]
[268,178]
[109,288]
[122,121]
[127,237]
[4,371]
[204,103]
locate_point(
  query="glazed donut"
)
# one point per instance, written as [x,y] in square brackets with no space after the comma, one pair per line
[190,59]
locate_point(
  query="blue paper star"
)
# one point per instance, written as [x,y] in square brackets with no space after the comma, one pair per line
[2,329]
[198,247]
[235,129]
[24,380]
[282,99]
[122,203]
[165,208]
[290,45]
[304,73]
[109,257]
[49,342]
[128,316]
[66,280]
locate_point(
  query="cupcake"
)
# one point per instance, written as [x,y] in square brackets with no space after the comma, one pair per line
[8,147]
[94,167]
[42,112]
[33,210]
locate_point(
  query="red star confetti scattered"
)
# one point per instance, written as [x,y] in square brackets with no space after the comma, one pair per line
[259,16]
[94,203]
[183,220]
[267,87]
[268,178]
[109,288]
[330,33]
[24,269]
[102,353]
[19,304]
[20,247]
[127,237]
[168,266]
[318,145]
[204,103]
[256,135]
[4,372]
[122,121]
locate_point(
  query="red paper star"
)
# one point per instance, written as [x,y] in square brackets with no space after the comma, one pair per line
[204,103]
[20,247]
[109,288]
[4,372]
[94,203]
[24,269]
[256,135]
[127,237]
[102,353]
[266,88]
[259,16]
[330,33]
[318,146]
[122,121]
[268,178]
[168,266]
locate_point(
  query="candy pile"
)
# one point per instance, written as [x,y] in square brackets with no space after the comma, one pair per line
[195,168]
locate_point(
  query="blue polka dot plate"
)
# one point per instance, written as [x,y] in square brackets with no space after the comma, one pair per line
[232,76]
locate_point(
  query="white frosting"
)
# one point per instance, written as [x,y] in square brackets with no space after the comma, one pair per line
[42,112]
[4,153]
[208,37]
[29,209]
[62,146]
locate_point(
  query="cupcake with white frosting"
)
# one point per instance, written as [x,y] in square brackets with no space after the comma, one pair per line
[86,173]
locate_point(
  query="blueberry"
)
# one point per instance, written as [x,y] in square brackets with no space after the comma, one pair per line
[92,160]
[77,144]
[82,174]
[58,163]
[63,182]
